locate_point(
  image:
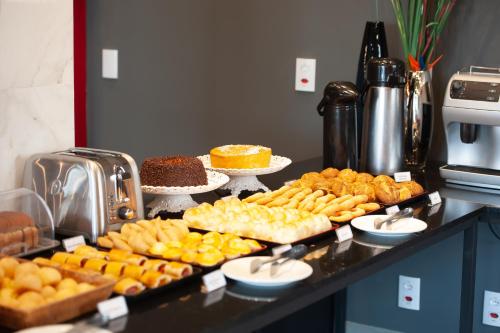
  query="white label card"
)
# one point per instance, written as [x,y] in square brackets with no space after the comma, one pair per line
[281,249]
[113,308]
[434,198]
[70,244]
[344,233]
[392,210]
[214,280]
[402,176]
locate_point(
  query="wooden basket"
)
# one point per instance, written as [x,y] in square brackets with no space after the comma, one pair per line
[63,310]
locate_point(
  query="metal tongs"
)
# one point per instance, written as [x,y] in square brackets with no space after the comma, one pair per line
[407,212]
[296,252]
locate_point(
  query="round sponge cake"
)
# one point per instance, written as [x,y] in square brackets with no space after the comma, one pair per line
[240,157]
[173,171]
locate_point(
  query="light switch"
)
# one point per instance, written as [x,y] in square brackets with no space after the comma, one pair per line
[409,293]
[491,308]
[305,75]
[109,64]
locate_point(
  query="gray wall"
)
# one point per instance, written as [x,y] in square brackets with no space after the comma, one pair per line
[200,73]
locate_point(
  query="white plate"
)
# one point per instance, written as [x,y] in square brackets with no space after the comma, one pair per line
[405,226]
[290,272]
[215,180]
[277,163]
[62,328]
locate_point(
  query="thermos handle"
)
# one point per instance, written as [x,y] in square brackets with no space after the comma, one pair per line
[322,104]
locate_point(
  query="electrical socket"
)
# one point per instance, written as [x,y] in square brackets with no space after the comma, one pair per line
[491,308]
[409,293]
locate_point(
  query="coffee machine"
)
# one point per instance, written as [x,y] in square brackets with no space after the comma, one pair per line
[471,118]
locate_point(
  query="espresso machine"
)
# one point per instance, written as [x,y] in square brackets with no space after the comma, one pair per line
[471,119]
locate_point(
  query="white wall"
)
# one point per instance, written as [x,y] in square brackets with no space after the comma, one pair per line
[36,82]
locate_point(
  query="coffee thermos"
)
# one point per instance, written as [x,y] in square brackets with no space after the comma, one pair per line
[382,150]
[338,108]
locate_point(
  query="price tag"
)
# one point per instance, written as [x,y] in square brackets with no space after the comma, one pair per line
[214,297]
[392,210]
[434,198]
[214,280]
[281,249]
[344,233]
[434,209]
[70,244]
[402,176]
[113,308]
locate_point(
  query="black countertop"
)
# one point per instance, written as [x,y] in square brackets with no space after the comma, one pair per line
[240,308]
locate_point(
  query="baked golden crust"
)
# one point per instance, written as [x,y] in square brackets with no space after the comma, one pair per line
[364,177]
[348,175]
[330,172]
[414,187]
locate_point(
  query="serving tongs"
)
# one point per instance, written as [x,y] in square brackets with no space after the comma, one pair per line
[407,212]
[296,252]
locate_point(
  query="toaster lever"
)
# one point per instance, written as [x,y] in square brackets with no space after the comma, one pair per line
[120,193]
[125,213]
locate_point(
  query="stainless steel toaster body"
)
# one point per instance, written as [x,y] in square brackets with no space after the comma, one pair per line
[89,191]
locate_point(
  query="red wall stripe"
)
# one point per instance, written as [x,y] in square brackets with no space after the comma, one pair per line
[80,71]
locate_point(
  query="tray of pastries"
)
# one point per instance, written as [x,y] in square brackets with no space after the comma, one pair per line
[338,209]
[382,189]
[34,294]
[136,276]
[172,240]
[270,224]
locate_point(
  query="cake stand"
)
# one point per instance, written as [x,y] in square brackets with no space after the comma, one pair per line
[174,199]
[246,179]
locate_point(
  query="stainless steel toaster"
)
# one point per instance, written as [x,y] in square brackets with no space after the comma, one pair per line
[89,191]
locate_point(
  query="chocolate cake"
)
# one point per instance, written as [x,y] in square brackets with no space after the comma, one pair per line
[173,171]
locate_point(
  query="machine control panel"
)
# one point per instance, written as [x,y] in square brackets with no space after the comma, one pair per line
[475,91]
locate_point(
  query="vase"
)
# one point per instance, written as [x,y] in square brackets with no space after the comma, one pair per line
[374,45]
[418,119]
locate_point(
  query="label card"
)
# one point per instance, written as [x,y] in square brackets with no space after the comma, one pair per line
[344,233]
[214,297]
[214,280]
[281,249]
[113,308]
[434,198]
[434,209]
[70,244]
[402,176]
[392,210]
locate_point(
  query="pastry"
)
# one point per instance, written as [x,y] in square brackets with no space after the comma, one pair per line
[28,281]
[414,187]
[173,171]
[240,157]
[50,276]
[115,268]
[133,271]
[152,279]
[9,264]
[364,177]
[330,172]
[275,224]
[391,193]
[347,175]
[128,286]
[96,265]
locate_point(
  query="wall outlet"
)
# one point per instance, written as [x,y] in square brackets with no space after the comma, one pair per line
[409,293]
[109,64]
[491,308]
[305,74]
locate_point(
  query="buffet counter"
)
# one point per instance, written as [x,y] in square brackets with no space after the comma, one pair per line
[236,308]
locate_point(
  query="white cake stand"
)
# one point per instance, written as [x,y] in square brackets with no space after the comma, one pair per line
[174,199]
[246,179]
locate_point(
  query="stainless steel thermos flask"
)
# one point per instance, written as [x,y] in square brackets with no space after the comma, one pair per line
[338,108]
[382,149]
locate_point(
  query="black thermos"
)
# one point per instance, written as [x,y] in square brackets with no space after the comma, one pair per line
[338,108]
